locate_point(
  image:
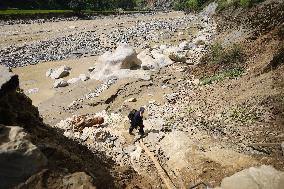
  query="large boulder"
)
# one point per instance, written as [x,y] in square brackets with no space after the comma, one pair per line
[161,59]
[124,57]
[255,178]
[8,81]
[59,72]
[147,61]
[60,83]
[19,158]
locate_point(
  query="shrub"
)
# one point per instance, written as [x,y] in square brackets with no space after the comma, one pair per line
[230,55]
[244,114]
[230,73]
[190,4]
[193,4]
[245,3]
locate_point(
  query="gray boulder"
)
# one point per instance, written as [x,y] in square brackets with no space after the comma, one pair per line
[58,73]
[60,83]
[178,56]
[19,158]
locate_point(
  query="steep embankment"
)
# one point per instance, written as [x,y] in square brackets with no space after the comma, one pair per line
[32,150]
[214,107]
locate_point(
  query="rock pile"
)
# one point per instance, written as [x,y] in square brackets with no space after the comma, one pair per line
[102,138]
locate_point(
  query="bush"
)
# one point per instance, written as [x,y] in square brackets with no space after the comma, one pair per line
[230,73]
[230,55]
[245,3]
[194,5]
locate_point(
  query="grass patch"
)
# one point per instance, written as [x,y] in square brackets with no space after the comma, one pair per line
[230,73]
[220,55]
[243,114]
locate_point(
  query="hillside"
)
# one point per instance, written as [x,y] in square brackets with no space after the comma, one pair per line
[211,83]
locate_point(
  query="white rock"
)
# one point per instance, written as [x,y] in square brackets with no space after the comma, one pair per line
[131,100]
[73,80]
[196,82]
[255,178]
[83,77]
[163,47]
[58,73]
[124,57]
[147,62]
[136,154]
[171,50]
[32,91]
[161,59]
[49,72]
[60,83]
[186,45]
[152,101]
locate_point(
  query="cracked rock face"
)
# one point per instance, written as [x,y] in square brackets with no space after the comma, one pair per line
[19,158]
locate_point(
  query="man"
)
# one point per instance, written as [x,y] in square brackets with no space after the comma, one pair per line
[137,121]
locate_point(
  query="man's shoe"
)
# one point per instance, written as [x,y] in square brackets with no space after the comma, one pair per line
[141,133]
[131,133]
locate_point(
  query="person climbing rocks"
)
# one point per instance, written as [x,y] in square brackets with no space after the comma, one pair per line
[136,120]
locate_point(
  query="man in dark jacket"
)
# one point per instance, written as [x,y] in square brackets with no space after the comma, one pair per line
[137,121]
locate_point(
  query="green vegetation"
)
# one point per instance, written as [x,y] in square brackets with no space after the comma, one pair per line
[222,4]
[228,55]
[194,5]
[243,114]
[222,62]
[220,76]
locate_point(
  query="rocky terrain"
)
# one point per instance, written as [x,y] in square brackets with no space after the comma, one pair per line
[212,87]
